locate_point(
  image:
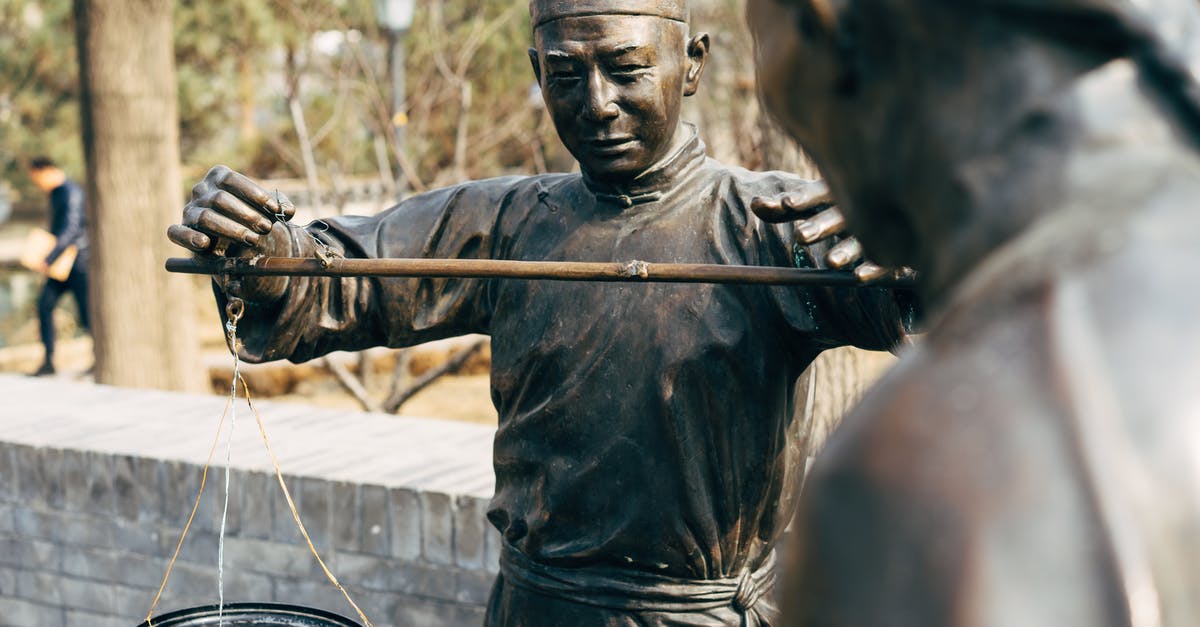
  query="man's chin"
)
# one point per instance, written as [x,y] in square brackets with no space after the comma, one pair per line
[615,171]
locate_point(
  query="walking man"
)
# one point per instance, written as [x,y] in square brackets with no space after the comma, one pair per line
[68,224]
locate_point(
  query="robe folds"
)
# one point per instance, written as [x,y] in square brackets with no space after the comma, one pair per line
[643,428]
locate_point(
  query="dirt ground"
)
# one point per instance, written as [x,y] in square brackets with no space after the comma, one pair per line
[464,398]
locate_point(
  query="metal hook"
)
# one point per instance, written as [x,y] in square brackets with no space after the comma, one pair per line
[235,309]
[279,214]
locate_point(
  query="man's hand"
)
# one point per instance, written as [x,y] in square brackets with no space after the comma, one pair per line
[230,215]
[817,219]
[227,207]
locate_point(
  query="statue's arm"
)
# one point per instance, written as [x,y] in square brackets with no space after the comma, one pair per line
[299,318]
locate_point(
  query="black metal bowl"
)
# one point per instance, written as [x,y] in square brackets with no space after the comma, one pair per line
[252,615]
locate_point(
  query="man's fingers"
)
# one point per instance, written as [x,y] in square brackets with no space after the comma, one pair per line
[793,205]
[235,208]
[221,226]
[823,225]
[844,253]
[867,271]
[270,203]
[815,198]
[769,209]
[190,239]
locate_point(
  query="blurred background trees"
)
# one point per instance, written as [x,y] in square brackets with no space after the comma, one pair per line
[473,106]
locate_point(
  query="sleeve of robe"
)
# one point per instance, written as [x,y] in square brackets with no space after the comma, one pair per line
[878,319]
[823,317]
[319,315]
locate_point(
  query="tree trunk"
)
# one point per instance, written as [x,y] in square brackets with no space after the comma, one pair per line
[839,377]
[142,316]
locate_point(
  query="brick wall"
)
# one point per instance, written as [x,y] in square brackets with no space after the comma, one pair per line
[90,514]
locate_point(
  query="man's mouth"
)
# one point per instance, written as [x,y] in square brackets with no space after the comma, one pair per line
[606,146]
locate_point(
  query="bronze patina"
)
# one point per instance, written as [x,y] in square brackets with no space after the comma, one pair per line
[1035,461]
[646,453]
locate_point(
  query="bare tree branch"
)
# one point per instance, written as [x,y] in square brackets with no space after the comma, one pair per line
[398,399]
[351,384]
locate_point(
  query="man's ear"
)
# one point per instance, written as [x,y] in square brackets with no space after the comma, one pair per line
[537,66]
[697,51]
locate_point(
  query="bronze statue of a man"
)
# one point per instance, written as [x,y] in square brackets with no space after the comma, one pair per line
[1035,461]
[646,452]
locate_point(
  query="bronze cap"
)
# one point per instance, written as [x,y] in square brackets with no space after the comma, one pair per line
[543,11]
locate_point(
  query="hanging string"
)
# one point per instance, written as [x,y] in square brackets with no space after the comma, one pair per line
[296,514]
[187,526]
[234,311]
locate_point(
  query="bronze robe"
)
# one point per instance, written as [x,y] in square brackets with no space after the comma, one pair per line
[645,431]
[1035,460]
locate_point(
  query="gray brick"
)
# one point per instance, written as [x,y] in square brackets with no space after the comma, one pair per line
[120,567]
[208,511]
[138,538]
[437,528]
[8,581]
[346,529]
[284,524]
[473,586]
[271,558]
[22,613]
[259,490]
[427,613]
[469,529]
[242,586]
[40,587]
[8,473]
[425,580]
[133,603]
[101,499]
[404,522]
[26,553]
[83,594]
[149,477]
[180,483]
[65,528]
[136,489]
[40,477]
[373,511]
[315,592]
[79,618]
[366,571]
[316,510]
[8,520]
[200,547]
[30,523]
[75,480]
[493,543]
[190,585]
[124,484]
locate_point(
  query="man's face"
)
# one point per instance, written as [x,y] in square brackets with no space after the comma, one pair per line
[614,86]
[46,179]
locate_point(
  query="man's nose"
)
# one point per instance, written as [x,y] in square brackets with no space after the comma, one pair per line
[601,104]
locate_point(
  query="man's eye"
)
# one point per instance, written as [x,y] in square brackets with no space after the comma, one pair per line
[564,79]
[630,72]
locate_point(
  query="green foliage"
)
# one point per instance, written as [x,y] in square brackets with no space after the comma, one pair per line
[39,87]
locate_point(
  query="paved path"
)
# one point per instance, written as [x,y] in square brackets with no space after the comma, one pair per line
[379,449]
